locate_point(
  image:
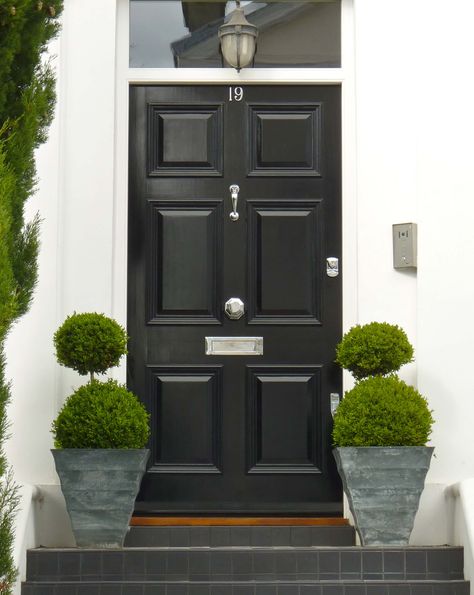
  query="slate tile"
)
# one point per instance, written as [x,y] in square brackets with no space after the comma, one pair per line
[155,563]
[47,565]
[134,565]
[438,561]
[263,562]
[307,562]
[154,590]
[240,536]
[351,563]
[69,565]
[415,562]
[220,536]
[261,536]
[372,563]
[421,590]
[241,563]
[285,562]
[112,565]
[242,590]
[329,562]
[177,562]
[91,564]
[132,590]
[221,563]
[176,589]
[287,590]
[281,536]
[199,536]
[179,537]
[301,536]
[199,562]
[393,562]
[354,590]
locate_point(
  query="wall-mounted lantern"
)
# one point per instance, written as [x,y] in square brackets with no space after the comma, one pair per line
[238,39]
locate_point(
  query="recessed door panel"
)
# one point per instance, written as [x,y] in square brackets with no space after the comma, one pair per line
[284,140]
[233,320]
[284,433]
[185,273]
[284,262]
[186,405]
[185,141]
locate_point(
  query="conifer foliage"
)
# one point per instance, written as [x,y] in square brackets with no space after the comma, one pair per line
[27,100]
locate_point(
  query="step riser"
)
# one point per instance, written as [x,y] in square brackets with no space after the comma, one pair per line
[245,564]
[252,589]
[240,536]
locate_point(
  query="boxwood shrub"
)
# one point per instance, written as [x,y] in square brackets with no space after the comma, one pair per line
[101,415]
[382,411]
[374,348]
[90,343]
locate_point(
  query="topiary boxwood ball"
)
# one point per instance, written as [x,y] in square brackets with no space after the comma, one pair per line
[90,343]
[101,415]
[382,411]
[374,348]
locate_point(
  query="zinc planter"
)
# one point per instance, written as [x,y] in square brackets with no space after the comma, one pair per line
[100,487]
[383,486]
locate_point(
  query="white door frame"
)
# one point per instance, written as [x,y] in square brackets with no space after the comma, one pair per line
[126,76]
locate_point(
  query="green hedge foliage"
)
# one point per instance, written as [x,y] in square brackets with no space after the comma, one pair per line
[90,343]
[382,411]
[374,348]
[27,100]
[101,415]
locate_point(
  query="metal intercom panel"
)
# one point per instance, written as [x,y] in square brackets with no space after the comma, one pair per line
[404,245]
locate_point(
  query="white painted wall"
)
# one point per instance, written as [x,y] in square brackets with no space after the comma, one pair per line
[408,130]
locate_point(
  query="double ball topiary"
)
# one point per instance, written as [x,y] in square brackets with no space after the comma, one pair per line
[374,348]
[101,415]
[90,343]
[382,411]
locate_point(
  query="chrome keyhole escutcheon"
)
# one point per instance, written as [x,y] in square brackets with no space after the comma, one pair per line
[234,195]
[234,308]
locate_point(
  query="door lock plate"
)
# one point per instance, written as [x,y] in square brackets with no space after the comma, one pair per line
[332,266]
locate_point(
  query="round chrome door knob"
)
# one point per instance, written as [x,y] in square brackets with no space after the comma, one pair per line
[234,308]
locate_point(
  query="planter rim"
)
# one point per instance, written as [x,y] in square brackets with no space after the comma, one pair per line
[380,447]
[98,449]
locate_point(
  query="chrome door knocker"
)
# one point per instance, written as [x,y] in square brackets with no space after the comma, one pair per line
[234,195]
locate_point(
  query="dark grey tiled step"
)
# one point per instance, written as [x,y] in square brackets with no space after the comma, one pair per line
[250,588]
[247,563]
[236,536]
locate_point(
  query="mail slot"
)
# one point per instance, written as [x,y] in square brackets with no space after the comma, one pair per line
[234,345]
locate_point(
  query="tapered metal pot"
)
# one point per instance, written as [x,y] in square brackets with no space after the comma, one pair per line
[100,487]
[383,485]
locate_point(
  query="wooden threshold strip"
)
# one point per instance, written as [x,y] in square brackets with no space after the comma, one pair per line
[146,521]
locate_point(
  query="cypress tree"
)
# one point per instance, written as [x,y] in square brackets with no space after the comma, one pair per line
[27,100]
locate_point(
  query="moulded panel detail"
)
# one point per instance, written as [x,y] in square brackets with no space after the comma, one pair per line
[284,285]
[184,256]
[284,432]
[285,140]
[186,419]
[185,140]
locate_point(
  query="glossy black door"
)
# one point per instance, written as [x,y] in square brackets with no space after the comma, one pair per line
[246,433]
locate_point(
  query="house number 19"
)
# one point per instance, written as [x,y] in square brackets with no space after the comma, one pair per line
[236,93]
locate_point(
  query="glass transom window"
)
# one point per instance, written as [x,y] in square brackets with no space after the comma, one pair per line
[182,34]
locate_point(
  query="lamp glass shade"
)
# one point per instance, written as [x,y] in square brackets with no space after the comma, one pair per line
[238,40]
[238,49]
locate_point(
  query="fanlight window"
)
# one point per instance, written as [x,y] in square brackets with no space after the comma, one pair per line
[184,34]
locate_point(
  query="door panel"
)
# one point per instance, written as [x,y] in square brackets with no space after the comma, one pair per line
[235,434]
[272,268]
[185,262]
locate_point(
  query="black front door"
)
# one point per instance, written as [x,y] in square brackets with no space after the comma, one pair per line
[236,432]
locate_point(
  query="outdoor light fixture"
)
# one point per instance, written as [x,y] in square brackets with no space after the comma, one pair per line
[238,40]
